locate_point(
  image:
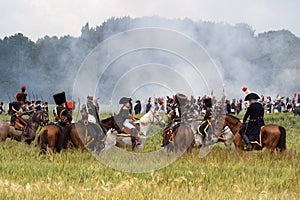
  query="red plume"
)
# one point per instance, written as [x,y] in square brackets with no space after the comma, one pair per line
[244,89]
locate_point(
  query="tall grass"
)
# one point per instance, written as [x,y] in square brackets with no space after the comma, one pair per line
[221,174]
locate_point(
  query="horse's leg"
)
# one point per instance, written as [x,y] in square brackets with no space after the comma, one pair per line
[269,140]
[273,145]
[191,141]
[4,129]
[238,142]
[227,145]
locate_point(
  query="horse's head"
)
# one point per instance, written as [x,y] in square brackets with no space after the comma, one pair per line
[41,117]
[232,122]
[153,117]
[111,122]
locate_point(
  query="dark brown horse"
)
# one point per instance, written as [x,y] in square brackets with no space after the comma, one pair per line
[35,120]
[87,135]
[272,136]
[81,135]
[183,141]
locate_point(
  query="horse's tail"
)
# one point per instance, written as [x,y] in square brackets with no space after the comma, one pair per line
[282,140]
[44,140]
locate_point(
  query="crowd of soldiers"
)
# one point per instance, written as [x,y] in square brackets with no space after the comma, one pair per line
[278,105]
[178,108]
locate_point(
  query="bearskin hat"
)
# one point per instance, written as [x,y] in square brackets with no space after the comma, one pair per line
[207,102]
[59,98]
[181,99]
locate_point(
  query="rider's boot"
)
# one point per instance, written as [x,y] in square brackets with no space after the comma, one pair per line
[133,138]
[26,131]
[12,120]
[248,144]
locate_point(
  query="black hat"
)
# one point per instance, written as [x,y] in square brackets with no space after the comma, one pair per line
[251,96]
[124,100]
[59,98]
[207,102]
[181,99]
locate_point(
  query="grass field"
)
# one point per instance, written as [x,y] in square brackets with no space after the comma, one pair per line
[221,174]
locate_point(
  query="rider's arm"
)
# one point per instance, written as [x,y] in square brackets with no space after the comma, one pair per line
[246,116]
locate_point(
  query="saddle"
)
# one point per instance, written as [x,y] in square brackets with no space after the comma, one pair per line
[20,123]
[170,133]
[126,132]
[256,138]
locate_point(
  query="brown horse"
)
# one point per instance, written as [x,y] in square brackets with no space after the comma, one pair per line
[81,135]
[50,136]
[87,135]
[272,136]
[183,141]
[35,120]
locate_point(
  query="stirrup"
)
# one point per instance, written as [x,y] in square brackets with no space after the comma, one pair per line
[248,147]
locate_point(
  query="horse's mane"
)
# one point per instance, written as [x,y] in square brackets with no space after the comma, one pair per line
[107,119]
[33,116]
[234,117]
[144,118]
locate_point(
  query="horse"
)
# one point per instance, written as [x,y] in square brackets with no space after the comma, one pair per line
[226,136]
[87,135]
[123,140]
[184,140]
[81,135]
[49,137]
[36,119]
[272,136]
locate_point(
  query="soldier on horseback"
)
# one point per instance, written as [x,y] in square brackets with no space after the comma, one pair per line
[61,111]
[204,128]
[255,112]
[62,115]
[174,117]
[124,120]
[16,107]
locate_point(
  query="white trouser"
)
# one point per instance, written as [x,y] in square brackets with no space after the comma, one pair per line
[127,124]
[91,118]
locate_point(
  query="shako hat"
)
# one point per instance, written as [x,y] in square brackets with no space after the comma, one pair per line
[181,99]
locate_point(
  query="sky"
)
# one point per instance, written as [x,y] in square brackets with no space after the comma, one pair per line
[37,18]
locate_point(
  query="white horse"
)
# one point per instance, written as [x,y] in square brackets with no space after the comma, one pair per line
[226,136]
[152,117]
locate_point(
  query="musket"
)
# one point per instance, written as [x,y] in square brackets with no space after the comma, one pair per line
[9,97]
[78,110]
[42,98]
[33,96]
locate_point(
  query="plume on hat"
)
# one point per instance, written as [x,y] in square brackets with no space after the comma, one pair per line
[246,90]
